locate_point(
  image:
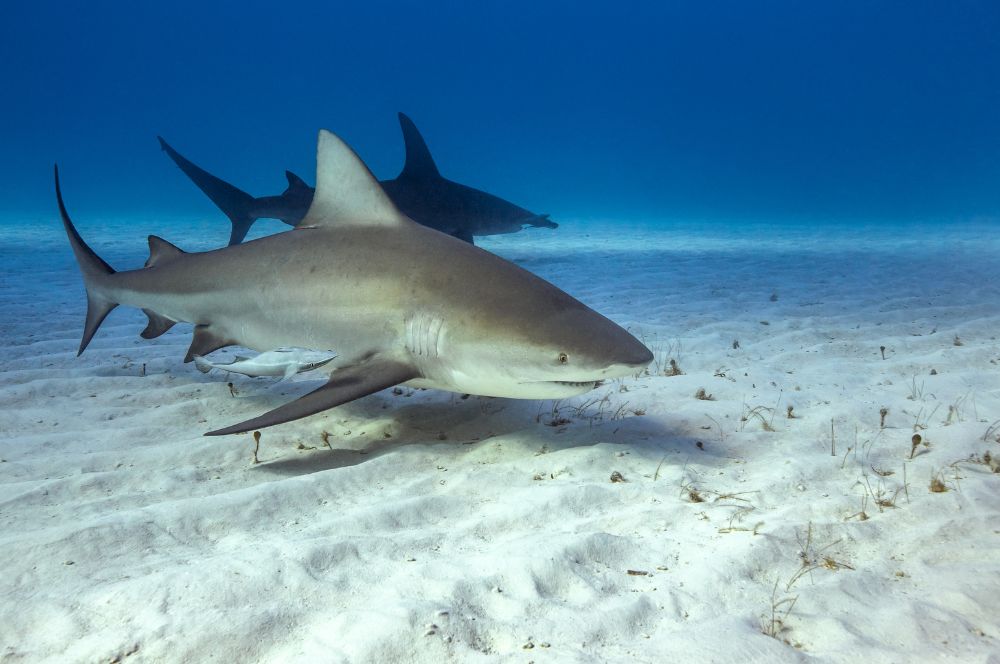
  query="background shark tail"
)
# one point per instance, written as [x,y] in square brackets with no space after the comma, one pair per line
[234,203]
[95,274]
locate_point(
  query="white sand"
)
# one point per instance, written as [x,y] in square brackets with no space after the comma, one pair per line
[441,529]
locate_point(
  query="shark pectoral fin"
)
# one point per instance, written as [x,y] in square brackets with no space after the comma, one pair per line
[205,341]
[157,325]
[290,371]
[345,385]
[465,235]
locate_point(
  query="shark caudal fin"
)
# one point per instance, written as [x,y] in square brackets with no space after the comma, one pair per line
[234,203]
[94,270]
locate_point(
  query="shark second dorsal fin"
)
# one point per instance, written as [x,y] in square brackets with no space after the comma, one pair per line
[161,251]
[346,191]
[419,163]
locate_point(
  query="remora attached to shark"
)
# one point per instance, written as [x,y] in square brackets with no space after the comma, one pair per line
[399,302]
[419,191]
[284,362]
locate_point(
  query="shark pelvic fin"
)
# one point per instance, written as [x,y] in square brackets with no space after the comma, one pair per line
[161,251]
[419,163]
[346,191]
[345,385]
[205,341]
[157,325]
[94,270]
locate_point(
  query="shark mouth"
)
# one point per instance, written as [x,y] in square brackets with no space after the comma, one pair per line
[572,383]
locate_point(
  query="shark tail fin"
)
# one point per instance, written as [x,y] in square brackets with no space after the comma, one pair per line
[95,274]
[234,202]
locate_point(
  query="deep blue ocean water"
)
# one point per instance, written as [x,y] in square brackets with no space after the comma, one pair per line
[707,112]
[795,201]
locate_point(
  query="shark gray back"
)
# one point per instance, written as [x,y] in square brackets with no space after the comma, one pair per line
[419,191]
[397,301]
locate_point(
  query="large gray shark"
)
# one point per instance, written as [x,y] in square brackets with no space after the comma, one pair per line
[399,302]
[419,191]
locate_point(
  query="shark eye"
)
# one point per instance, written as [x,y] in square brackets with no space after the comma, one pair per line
[563,358]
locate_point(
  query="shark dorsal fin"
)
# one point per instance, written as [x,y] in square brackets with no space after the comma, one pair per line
[161,251]
[295,183]
[346,191]
[419,163]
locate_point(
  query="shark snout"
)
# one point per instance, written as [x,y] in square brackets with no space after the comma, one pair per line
[637,356]
[628,359]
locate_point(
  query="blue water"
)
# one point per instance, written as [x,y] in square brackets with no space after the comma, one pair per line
[859,112]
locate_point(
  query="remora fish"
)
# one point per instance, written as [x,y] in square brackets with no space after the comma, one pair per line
[399,302]
[419,191]
[284,362]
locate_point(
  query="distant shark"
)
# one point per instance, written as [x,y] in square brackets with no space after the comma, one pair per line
[419,191]
[398,302]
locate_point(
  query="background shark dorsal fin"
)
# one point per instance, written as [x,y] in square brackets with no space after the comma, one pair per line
[346,191]
[161,251]
[419,163]
[295,183]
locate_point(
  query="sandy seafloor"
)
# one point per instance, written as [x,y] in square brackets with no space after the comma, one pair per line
[435,528]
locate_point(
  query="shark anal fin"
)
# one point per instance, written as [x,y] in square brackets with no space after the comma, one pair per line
[205,341]
[345,385]
[161,251]
[157,324]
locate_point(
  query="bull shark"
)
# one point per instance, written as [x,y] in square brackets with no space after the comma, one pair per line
[399,302]
[419,191]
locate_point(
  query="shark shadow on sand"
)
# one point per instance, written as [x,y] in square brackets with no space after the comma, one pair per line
[419,191]
[515,424]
